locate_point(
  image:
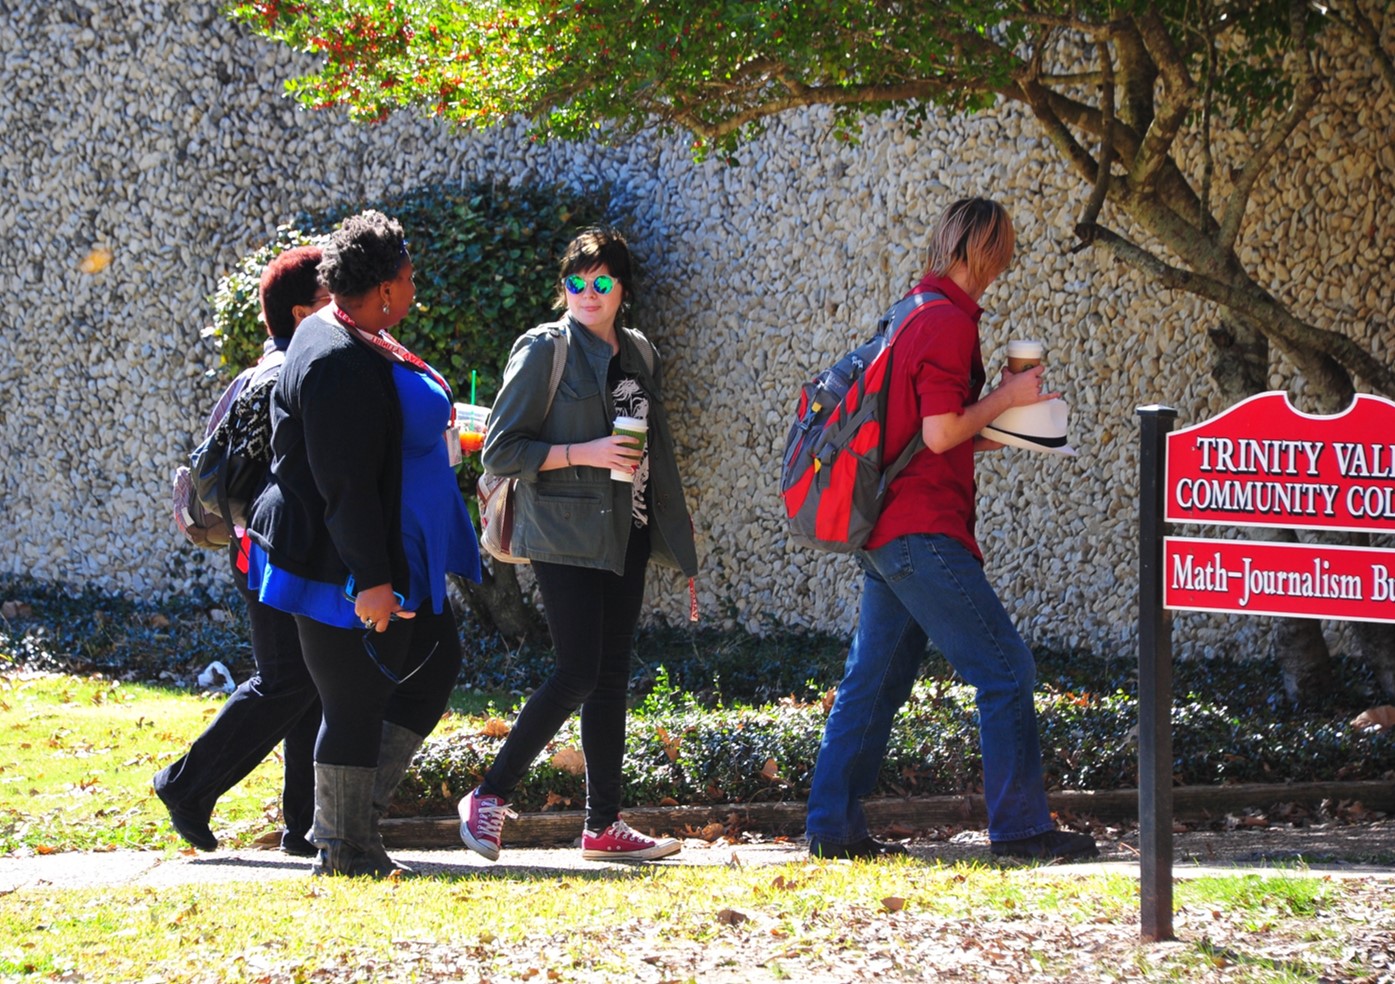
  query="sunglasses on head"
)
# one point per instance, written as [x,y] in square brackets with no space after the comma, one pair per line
[575,284]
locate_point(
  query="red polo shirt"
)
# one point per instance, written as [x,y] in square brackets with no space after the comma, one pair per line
[936,368]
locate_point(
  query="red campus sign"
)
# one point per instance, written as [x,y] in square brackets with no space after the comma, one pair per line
[1263,463]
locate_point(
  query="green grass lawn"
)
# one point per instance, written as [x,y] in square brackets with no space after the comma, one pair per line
[895,920]
[77,776]
[81,754]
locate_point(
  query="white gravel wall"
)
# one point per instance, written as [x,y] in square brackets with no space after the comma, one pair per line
[159,131]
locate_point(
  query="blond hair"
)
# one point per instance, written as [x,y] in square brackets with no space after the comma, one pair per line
[975,232]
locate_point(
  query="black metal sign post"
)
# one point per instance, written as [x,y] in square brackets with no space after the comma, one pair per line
[1154,683]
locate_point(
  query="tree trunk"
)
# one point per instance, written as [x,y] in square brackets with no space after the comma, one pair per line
[1240,369]
[1375,643]
[1301,651]
[498,603]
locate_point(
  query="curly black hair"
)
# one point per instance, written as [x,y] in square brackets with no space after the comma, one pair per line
[366,250]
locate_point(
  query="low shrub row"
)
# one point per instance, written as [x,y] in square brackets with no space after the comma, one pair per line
[680,751]
[724,717]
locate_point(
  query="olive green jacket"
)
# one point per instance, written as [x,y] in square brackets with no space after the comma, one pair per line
[579,515]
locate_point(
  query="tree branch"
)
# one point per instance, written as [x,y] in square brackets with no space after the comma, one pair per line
[1368,38]
[1041,99]
[1249,301]
[1101,189]
[1169,276]
[1091,29]
[1306,89]
[1179,92]
[1174,189]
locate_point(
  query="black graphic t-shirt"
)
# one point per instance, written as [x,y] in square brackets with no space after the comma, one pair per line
[632,401]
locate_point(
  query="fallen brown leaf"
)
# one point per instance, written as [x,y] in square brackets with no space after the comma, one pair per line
[730,917]
[670,744]
[495,728]
[570,760]
[1375,719]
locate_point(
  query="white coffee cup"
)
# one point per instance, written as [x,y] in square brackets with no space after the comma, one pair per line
[638,432]
[1024,354]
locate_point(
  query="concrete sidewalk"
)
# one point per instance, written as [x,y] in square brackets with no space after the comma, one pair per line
[1342,851]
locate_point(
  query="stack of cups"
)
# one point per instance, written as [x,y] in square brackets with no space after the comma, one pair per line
[637,431]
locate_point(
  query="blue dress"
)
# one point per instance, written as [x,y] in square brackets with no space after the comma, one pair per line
[437,534]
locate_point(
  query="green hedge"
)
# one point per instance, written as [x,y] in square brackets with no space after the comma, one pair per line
[712,709]
[680,751]
[486,271]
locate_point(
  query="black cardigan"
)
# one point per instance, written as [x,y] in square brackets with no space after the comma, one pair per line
[333,505]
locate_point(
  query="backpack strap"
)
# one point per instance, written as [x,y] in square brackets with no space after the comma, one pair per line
[647,352]
[559,363]
[892,322]
[906,308]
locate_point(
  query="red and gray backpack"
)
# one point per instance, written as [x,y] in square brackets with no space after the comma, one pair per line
[832,476]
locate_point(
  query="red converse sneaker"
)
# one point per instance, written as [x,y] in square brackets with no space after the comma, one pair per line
[619,843]
[481,820]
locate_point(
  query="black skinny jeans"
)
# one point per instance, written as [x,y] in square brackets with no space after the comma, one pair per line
[358,697]
[592,616]
[277,702]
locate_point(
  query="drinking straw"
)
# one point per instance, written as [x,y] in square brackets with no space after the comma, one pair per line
[472,387]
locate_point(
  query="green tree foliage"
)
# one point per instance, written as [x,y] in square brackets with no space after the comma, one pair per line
[486,271]
[1169,113]
[1126,91]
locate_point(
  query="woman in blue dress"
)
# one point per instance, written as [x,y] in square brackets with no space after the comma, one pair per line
[355,533]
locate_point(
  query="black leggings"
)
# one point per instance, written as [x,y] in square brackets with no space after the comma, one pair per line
[357,696]
[592,616]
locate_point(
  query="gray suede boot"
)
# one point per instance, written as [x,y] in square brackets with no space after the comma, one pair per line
[343,828]
[395,753]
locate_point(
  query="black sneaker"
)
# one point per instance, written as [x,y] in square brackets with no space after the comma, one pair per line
[867,848]
[191,827]
[1054,845]
[297,846]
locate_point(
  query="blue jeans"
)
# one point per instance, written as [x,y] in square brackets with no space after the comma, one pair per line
[921,586]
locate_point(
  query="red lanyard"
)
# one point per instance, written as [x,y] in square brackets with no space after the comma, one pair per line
[394,349]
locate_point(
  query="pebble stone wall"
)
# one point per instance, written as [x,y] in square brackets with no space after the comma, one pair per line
[159,131]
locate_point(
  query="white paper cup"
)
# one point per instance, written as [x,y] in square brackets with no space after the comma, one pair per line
[638,432]
[1024,354]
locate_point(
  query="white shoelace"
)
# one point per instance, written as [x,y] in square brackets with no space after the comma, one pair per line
[491,816]
[620,830]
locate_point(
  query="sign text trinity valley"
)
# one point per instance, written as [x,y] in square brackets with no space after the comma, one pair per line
[1262,463]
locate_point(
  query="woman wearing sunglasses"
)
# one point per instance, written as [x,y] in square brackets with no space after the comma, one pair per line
[356,532]
[589,536]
